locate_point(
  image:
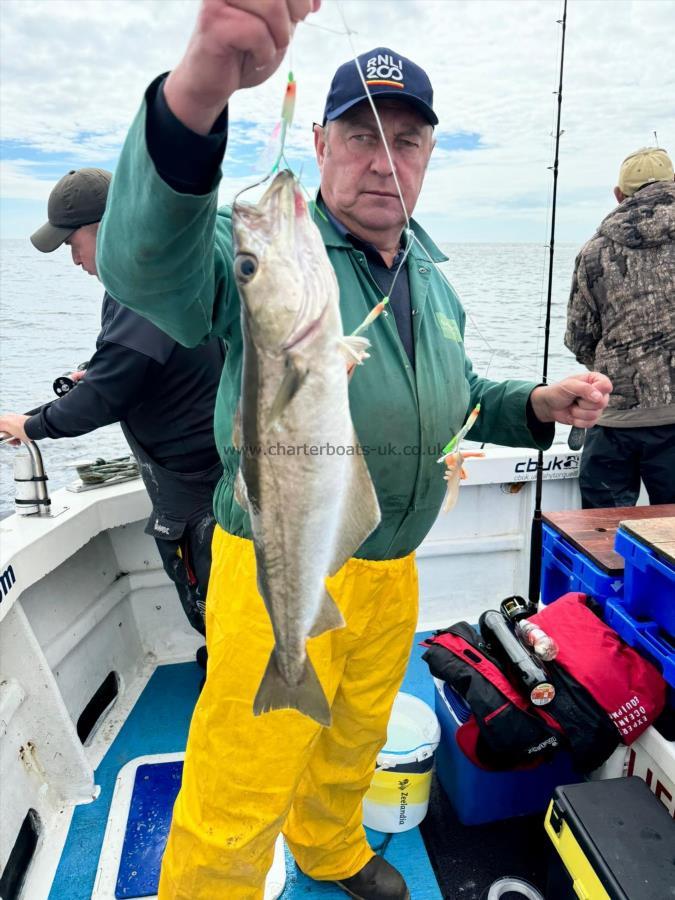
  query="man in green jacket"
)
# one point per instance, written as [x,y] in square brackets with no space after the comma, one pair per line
[247,778]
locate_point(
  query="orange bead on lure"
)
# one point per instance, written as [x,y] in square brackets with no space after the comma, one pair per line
[372,315]
[454,458]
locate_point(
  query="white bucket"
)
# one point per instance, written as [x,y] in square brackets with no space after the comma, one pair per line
[398,797]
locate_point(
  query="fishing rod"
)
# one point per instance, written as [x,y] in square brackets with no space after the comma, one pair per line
[536,534]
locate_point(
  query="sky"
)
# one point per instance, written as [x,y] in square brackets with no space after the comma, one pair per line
[72,76]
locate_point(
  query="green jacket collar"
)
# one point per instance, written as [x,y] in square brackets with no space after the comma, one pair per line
[332,238]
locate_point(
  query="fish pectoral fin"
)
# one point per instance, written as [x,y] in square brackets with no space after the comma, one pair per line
[306,696]
[328,618]
[240,492]
[295,374]
[354,348]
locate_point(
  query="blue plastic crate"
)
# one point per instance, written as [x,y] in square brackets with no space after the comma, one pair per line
[645,636]
[479,796]
[649,583]
[564,569]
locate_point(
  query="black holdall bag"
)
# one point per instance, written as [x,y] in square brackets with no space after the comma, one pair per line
[504,732]
[589,733]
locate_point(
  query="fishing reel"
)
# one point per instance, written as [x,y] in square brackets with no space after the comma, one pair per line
[515,608]
[64,383]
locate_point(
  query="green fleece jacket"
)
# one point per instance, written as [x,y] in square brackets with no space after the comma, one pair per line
[169,257]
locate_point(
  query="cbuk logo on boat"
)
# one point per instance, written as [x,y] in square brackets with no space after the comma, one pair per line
[384,69]
[7,582]
[555,467]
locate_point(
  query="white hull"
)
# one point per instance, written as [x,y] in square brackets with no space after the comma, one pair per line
[84,594]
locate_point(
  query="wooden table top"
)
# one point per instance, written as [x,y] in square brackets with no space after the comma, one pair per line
[593,530]
[659,534]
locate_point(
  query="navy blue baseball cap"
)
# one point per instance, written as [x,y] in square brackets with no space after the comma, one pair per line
[387,74]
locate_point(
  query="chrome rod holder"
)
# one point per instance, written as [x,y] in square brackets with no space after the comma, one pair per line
[31,494]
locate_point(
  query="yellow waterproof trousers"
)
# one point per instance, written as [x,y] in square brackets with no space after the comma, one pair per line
[246,777]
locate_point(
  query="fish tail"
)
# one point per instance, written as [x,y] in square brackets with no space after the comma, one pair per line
[306,696]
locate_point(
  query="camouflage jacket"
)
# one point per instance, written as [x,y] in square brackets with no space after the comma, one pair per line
[621,312]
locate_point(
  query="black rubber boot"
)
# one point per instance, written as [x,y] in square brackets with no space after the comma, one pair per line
[377,880]
[201,657]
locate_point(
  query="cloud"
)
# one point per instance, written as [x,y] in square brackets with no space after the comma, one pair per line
[73,75]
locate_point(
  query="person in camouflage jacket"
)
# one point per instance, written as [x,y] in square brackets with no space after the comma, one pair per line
[621,321]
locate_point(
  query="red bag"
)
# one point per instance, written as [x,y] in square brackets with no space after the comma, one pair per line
[628,687]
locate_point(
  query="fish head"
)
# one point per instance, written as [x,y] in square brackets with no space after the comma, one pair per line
[281,267]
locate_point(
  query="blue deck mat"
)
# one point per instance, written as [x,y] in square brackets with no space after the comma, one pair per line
[159,723]
[155,789]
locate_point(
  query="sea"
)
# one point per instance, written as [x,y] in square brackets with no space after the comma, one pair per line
[50,316]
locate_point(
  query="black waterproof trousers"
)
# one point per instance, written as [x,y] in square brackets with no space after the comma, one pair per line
[614,460]
[187,562]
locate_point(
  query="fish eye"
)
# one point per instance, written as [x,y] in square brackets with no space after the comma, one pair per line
[245,267]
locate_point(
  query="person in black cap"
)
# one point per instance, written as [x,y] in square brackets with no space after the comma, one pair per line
[284,771]
[161,393]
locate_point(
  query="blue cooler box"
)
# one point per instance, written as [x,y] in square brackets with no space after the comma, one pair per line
[479,796]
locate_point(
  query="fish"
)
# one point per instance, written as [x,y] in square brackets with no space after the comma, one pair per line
[302,475]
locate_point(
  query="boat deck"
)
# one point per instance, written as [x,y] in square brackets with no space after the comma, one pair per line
[443,860]
[158,724]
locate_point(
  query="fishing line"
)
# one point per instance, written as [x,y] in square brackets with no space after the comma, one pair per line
[493,351]
[410,237]
[348,34]
[249,187]
[325,28]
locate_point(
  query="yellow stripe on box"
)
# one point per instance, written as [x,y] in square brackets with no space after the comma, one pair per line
[397,84]
[585,880]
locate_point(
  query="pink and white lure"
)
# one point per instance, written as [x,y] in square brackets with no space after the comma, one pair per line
[287,113]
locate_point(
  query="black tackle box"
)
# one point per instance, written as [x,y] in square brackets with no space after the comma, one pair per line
[613,840]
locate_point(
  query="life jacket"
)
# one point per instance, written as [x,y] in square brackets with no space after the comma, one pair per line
[624,684]
[504,731]
[604,692]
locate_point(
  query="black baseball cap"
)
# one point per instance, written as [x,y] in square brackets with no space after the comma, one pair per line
[387,74]
[77,199]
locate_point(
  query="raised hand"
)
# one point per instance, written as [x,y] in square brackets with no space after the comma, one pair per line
[235,44]
[577,400]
